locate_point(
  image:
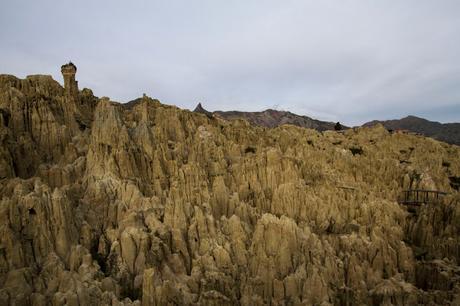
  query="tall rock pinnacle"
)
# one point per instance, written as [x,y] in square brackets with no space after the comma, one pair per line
[70,84]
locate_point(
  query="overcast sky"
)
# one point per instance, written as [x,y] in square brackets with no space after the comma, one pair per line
[344,60]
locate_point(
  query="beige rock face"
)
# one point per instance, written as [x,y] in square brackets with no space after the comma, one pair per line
[146,204]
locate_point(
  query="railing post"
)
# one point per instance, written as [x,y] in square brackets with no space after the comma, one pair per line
[411,197]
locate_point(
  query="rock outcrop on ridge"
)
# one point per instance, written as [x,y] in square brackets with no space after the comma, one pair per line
[146,204]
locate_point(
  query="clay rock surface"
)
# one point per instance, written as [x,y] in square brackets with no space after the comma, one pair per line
[103,203]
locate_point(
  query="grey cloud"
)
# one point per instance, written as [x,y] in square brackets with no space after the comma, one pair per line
[351,61]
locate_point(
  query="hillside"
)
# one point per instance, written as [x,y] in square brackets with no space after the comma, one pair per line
[271,118]
[147,204]
[447,132]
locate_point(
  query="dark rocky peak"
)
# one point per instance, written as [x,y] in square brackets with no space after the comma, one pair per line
[200,109]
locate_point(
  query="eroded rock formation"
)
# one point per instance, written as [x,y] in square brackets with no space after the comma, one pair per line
[147,204]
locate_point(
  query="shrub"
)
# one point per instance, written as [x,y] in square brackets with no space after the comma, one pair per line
[250,150]
[445,164]
[356,151]
[455,182]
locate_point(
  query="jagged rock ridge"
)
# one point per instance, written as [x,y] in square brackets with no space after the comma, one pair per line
[110,204]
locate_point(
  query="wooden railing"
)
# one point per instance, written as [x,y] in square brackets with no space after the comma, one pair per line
[420,196]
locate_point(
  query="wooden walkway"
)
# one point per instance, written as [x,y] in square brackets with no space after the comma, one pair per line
[417,197]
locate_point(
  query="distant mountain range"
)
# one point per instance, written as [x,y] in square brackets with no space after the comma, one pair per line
[447,132]
[271,118]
